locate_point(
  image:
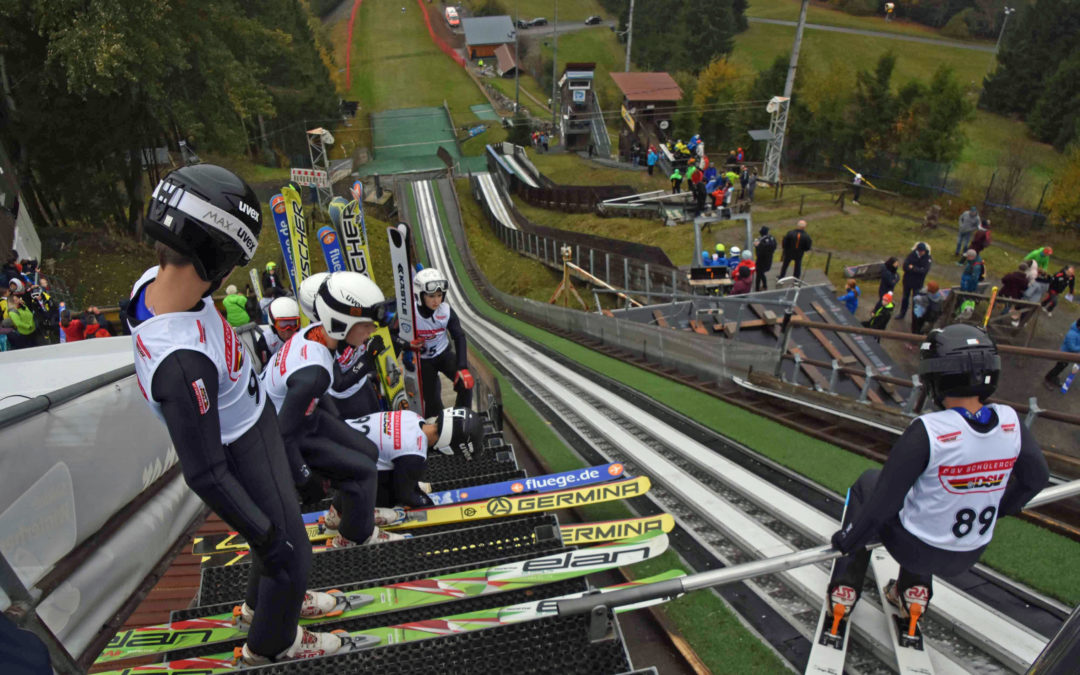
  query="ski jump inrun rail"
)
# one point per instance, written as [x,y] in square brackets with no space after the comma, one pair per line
[732,512]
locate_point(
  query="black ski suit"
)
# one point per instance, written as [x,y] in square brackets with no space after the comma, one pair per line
[332,448]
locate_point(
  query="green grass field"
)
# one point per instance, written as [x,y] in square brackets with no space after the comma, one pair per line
[788,10]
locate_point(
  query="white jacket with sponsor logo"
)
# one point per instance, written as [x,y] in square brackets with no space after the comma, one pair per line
[395,434]
[953,504]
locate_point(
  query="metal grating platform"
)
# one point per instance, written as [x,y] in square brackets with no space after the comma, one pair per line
[473,545]
[555,646]
[479,479]
[456,467]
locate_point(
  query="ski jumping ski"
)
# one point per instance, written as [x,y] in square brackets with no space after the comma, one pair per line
[829,645]
[405,307]
[912,657]
[575,534]
[294,211]
[218,628]
[253,275]
[459,513]
[331,249]
[219,664]
[284,233]
[547,483]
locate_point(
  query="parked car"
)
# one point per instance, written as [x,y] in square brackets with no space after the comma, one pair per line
[532,23]
[593,20]
[452,17]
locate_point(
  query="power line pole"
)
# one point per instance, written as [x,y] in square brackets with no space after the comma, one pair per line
[794,63]
[778,107]
[629,36]
[555,70]
[1008,12]
[517,64]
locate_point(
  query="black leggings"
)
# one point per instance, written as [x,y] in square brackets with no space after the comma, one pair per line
[347,457]
[445,363]
[850,570]
[257,459]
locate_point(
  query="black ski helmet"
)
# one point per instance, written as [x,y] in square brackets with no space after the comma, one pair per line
[209,215]
[460,430]
[959,360]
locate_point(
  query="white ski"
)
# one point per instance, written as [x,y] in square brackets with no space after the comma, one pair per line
[406,308]
[830,641]
[912,656]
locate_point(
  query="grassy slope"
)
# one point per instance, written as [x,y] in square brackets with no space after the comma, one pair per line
[788,10]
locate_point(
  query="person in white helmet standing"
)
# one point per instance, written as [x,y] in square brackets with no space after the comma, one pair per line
[297,381]
[199,380]
[284,314]
[436,324]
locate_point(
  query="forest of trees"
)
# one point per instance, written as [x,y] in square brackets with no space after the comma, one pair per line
[88,85]
[1038,72]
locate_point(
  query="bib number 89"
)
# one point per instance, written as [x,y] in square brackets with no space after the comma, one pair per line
[965,521]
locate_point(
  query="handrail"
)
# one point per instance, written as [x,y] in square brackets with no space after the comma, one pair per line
[44,402]
[676,587]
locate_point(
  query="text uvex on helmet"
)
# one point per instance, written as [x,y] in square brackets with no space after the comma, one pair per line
[309,288]
[430,280]
[284,314]
[346,299]
[209,215]
[460,431]
[959,360]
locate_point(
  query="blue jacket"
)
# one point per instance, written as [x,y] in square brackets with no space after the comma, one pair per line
[652,158]
[706,259]
[1072,340]
[851,299]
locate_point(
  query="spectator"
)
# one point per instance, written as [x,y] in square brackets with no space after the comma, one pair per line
[1066,278]
[744,180]
[740,155]
[882,315]
[734,257]
[969,222]
[732,159]
[794,245]
[916,267]
[743,281]
[21,318]
[856,188]
[1015,283]
[747,260]
[719,195]
[751,185]
[731,177]
[251,303]
[270,279]
[234,304]
[74,328]
[851,297]
[974,271]
[544,141]
[926,308]
[11,270]
[676,181]
[1041,256]
[889,278]
[982,237]
[1070,345]
[706,259]
[650,159]
[764,248]
[95,324]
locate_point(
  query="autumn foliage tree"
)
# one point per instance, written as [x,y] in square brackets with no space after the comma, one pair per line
[1064,200]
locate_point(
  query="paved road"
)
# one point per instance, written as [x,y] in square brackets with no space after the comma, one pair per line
[877,34]
[564,27]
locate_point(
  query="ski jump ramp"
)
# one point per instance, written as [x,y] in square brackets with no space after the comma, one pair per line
[494,199]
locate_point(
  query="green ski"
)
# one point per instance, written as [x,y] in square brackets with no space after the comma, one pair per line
[406,632]
[218,628]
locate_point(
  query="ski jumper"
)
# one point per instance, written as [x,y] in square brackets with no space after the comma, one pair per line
[197,378]
[934,503]
[299,375]
[436,327]
[403,448]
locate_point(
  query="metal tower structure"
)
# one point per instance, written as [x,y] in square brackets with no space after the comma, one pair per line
[317,140]
[778,106]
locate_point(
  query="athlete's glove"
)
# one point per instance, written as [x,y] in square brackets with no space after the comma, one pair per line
[375,346]
[417,344]
[465,377]
[841,542]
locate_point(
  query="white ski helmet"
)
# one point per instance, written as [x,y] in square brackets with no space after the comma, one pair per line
[733,252]
[346,299]
[284,314]
[747,254]
[460,430]
[429,280]
[309,288]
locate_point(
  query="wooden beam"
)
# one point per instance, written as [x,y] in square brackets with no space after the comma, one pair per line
[765,314]
[828,318]
[697,327]
[815,375]
[607,313]
[660,320]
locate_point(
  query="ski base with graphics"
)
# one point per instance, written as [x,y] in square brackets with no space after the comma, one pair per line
[460,513]
[407,632]
[547,483]
[576,534]
[511,576]
[912,657]
[405,308]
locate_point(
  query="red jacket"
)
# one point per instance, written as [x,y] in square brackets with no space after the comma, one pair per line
[74,331]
